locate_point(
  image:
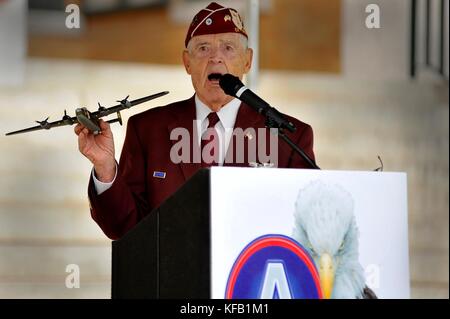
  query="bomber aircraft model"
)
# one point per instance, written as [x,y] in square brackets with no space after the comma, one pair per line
[90,119]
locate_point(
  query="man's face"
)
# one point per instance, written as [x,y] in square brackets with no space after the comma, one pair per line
[215,54]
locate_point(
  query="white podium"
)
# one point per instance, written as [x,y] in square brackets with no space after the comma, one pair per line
[247,204]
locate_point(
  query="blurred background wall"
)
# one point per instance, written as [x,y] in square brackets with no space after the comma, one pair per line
[366,92]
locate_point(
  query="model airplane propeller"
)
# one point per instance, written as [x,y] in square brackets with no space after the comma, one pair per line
[90,119]
[100,107]
[125,103]
[67,117]
[43,124]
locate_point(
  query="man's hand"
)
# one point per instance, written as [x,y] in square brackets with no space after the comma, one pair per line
[99,149]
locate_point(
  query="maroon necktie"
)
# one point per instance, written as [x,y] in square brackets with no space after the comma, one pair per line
[210,139]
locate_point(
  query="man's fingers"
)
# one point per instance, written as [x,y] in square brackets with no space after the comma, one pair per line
[104,126]
[78,128]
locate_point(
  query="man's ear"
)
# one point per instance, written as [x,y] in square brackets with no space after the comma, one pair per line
[248,59]
[186,61]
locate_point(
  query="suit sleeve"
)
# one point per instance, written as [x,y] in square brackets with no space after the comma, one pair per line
[124,204]
[305,142]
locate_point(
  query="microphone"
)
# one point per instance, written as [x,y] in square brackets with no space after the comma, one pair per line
[232,86]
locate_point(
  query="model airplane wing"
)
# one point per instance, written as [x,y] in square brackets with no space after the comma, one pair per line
[125,104]
[44,125]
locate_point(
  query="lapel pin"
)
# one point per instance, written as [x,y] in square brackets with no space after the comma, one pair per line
[159,174]
[249,136]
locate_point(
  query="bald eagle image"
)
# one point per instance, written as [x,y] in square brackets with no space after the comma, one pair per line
[325,225]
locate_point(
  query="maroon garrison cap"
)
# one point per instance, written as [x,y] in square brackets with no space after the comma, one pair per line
[215,19]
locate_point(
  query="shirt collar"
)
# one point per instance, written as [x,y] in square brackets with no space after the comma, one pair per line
[227,114]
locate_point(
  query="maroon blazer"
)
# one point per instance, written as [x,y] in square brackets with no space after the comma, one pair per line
[146,150]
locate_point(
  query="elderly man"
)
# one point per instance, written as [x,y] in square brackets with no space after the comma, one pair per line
[124,193]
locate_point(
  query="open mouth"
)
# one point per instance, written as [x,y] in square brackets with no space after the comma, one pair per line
[214,77]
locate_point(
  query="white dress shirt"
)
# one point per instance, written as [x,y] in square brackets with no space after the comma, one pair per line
[227,116]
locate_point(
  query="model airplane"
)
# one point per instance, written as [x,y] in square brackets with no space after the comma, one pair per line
[90,119]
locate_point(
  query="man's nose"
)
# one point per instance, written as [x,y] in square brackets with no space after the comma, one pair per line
[216,55]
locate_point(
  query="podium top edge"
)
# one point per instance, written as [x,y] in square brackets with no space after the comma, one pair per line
[307,169]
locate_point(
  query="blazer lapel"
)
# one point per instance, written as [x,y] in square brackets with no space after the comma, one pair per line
[184,119]
[246,118]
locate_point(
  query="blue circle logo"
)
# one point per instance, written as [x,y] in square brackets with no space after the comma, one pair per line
[273,267]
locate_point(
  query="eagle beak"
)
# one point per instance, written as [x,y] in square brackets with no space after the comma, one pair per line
[326,274]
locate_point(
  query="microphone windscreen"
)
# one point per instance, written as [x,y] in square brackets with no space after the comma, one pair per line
[230,84]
